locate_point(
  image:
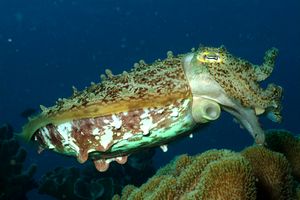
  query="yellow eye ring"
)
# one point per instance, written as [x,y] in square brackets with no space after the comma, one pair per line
[209,57]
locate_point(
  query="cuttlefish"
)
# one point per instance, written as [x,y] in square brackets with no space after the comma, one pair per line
[156,103]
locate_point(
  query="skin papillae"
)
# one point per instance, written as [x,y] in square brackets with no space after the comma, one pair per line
[156,103]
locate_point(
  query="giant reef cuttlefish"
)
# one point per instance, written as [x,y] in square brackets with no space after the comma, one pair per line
[155,103]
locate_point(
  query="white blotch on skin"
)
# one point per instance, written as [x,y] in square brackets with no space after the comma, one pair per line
[106,138]
[95,131]
[127,135]
[145,114]
[175,112]
[146,125]
[45,134]
[106,121]
[117,122]
[160,111]
[91,150]
[65,130]
[185,103]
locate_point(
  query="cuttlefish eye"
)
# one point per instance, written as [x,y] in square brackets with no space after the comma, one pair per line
[211,57]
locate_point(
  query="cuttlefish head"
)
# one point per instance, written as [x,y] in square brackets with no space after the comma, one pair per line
[233,83]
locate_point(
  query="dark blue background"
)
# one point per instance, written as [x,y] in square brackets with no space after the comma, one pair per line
[47,46]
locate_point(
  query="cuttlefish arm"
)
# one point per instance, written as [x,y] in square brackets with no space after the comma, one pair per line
[261,72]
[215,74]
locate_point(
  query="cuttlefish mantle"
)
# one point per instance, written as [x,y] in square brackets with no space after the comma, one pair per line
[154,104]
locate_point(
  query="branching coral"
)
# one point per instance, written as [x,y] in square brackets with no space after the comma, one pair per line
[14,181]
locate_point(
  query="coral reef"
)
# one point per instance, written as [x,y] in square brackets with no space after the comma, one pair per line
[88,183]
[71,183]
[297,196]
[218,178]
[196,177]
[59,183]
[14,181]
[272,171]
[256,173]
[284,142]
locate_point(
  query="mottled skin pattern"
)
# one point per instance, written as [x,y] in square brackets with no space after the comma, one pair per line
[145,85]
[215,74]
[240,79]
[154,104]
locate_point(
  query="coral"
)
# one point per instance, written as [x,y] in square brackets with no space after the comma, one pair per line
[284,142]
[14,181]
[218,179]
[256,173]
[71,183]
[195,177]
[59,183]
[298,192]
[102,188]
[88,183]
[272,171]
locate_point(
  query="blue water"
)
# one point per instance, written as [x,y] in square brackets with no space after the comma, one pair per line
[48,46]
